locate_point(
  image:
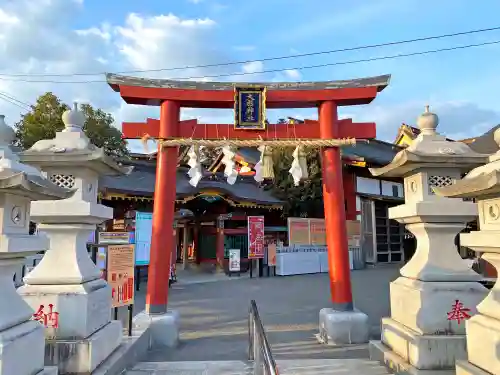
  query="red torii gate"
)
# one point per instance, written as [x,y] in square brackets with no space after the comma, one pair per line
[171,95]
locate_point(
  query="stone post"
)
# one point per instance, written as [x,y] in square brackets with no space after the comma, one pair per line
[22,342]
[483,329]
[423,332]
[66,277]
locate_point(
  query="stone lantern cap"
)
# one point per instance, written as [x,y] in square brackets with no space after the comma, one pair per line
[20,179]
[481,182]
[31,186]
[431,150]
[72,148]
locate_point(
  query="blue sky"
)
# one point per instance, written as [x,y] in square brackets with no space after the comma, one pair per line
[460,86]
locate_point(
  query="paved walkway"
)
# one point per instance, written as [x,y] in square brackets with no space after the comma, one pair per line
[214,315]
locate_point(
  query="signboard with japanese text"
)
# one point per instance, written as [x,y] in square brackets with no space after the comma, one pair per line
[317,231]
[250,108]
[298,231]
[255,237]
[120,274]
[234,260]
[111,238]
[304,231]
[143,233]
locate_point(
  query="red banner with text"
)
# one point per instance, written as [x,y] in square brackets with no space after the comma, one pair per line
[255,237]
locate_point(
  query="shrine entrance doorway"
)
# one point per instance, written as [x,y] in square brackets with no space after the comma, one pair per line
[250,129]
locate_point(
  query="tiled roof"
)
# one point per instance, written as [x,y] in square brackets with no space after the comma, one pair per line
[141,181]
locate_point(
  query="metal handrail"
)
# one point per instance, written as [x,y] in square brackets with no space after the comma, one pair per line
[259,349]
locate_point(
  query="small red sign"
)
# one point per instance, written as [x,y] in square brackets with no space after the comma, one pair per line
[255,237]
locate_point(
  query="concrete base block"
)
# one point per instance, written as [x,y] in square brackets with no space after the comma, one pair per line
[467,368]
[164,328]
[343,327]
[424,306]
[397,365]
[483,343]
[49,370]
[21,349]
[81,357]
[425,352]
[132,350]
[83,308]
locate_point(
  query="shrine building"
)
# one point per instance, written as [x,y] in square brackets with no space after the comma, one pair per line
[199,207]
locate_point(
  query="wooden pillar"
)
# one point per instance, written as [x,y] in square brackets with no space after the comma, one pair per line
[219,244]
[335,220]
[175,243]
[196,242]
[349,188]
[163,213]
[185,239]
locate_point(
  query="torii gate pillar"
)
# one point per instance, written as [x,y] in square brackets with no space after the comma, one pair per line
[162,239]
[333,198]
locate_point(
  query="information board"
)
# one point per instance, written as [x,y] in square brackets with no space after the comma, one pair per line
[234,260]
[120,274]
[143,231]
[298,231]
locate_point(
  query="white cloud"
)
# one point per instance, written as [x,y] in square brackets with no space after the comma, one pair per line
[253,67]
[457,120]
[293,73]
[45,43]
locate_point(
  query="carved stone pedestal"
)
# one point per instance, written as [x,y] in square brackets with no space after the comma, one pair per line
[66,280]
[437,292]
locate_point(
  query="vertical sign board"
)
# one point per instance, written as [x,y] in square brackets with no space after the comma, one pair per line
[120,274]
[271,254]
[143,231]
[255,237]
[234,260]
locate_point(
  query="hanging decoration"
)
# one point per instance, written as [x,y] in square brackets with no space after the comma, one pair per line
[265,165]
[195,172]
[228,160]
[298,169]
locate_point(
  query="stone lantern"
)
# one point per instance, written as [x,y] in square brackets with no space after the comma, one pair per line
[422,332]
[483,329]
[19,185]
[66,277]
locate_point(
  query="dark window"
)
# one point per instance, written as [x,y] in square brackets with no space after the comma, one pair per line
[395,191]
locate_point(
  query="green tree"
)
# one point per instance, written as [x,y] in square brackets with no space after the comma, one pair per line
[305,200]
[44,120]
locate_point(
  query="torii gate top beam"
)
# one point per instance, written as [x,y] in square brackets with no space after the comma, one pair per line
[193,94]
[192,129]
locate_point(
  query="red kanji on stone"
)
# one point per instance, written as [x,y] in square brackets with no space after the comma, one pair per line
[50,319]
[458,312]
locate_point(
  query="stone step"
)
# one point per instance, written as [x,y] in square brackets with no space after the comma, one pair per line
[286,367]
